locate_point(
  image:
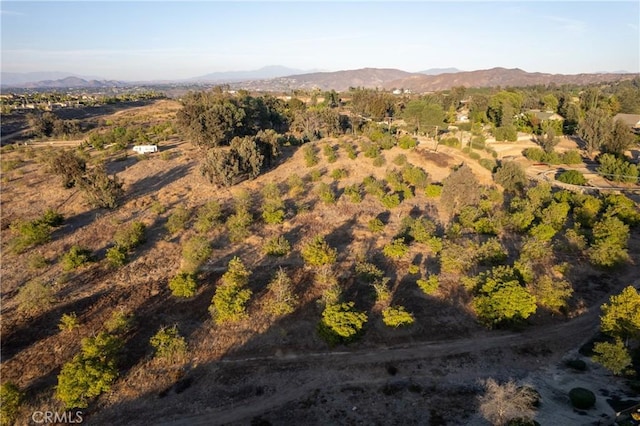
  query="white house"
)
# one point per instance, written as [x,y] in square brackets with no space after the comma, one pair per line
[145,149]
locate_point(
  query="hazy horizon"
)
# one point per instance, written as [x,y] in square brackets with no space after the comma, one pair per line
[171,40]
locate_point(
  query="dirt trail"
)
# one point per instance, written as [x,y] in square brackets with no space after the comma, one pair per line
[329,367]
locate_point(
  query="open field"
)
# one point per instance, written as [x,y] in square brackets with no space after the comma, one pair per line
[268,368]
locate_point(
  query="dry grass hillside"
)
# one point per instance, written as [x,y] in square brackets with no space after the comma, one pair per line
[264,367]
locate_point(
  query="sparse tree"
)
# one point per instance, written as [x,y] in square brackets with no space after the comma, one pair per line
[460,189]
[502,403]
[595,129]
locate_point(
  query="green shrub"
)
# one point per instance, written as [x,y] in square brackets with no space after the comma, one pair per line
[338,174]
[375,225]
[238,225]
[318,253]
[400,160]
[571,157]
[11,398]
[296,185]
[277,246]
[390,201]
[230,299]
[168,344]
[183,285]
[407,142]
[130,237]
[208,216]
[474,155]
[157,208]
[341,323]
[397,316]
[315,175]
[329,153]
[397,249]
[310,155]
[613,356]
[30,233]
[534,154]
[379,161]
[429,285]
[617,169]
[452,142]
[373,186]
[413,269]
[573,177]
[34,297]
[326,193]
[37,261]
[178,220]
[90,373]
[52,218]
[350,150]
[433,190]
[116,256]
[68,322]
[353,193]
[415,176]
[582,398]
[282,301]
[76,257]
[195,252]
[488,164]
[369,271]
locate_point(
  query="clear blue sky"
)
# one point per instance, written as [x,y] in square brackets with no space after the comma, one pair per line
[170,40]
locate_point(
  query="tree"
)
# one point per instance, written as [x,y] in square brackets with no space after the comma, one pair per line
[341,323]
[610,242]
[422,115]
[595,129]
[231,296]
[613,356]
[91,372]
[283,299]
[318,252]
[621,139]
[502,403]
[68,165]
[460,189]
[511,176]
[11,398]
[169,344]
[621,316]
[617,169]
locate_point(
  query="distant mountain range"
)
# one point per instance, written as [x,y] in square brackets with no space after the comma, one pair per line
[278,78]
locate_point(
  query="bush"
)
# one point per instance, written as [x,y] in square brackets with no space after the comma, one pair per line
[573,177]
[534,154]
[30,233]
[90,373]
[326,193]
[617,169]
[52,218]
[400,160]
[397,249]
[571,157]
[613,356]
[329,153]
[390,201]
[338,174]
[238,225]
[310,155]
[277,246]
[130,237]
[34,297]
[415,176]
[452,142]
[37,261]
[116,257]
[183,285]
[353,193]
[195,251]
[178,220]
[315,175]
[369,271]
[76,256]
[430,285]
[397,316]
[407,142]
[582,398]
[488,164]
[375,225]
[379,161]
[68,322]
[474,155]
[10,400]
[341,323]
[433,190]
[208,216]
[318,253]
[168,344]
[230,299]
[282,300]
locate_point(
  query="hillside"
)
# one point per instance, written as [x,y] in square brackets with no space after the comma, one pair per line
[391,242]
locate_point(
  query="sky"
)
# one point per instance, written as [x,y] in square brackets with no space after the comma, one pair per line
[155,40]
